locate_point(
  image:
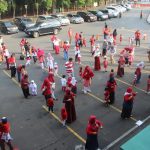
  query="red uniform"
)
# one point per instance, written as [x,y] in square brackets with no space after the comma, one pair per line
[105,64]
[63,114]
[106,96]
[50,102]
[148,85]
[46,87]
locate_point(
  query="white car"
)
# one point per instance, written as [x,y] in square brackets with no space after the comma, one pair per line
[75,18]
[63,19]
[120,8]
[114,8]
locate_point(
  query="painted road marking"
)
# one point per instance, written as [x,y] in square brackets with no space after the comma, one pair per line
[54,115]
[70,129]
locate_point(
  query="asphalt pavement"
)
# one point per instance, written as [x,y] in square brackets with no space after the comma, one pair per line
[33,128]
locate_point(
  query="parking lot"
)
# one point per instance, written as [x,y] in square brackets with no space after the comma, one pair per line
[33,128]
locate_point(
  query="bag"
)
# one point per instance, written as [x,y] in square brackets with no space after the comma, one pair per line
[22,57]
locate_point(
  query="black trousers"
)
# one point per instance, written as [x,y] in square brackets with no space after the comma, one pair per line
[137,42]
[13,71]
[112,97]
[25,92]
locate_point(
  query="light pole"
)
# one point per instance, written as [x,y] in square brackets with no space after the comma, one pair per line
[26,7]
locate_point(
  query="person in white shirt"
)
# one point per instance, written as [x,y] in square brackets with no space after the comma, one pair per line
[63,82]
[33,88]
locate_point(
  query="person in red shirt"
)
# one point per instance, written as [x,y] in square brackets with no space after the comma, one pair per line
[121,64]
[12,65]
[137,37]
[46,89]
[128,103]
[92,133]
[19,67]
[84,42]
[92,42]
[148,85]
[105,63]
[106,32]
[50,104]
[5,137]
[64,115]
[111,84]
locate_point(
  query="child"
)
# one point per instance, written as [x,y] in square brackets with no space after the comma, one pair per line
[69,82]
[63,83]
[74,85]
[111,75]
[34,55]
[41,60]
[105,63]
[33,88]
[64,116]
[107,96]
[148,85]
[28,60]
[84,42]
[77,52]
[55,68]
[120,38]
[135,79]
[50,104]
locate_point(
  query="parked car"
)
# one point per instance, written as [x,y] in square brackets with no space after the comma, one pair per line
[114,9]
[127,6]
[119,7]
[23,23]
[87,16]
[100,16]
[42,18]
[63,19]
[75,18]
[108,12]
[8,27]
[44,27]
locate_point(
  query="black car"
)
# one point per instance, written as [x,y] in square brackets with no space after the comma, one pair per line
[87,16]
[8,27]
[99,14]
[23,23]
[42,28]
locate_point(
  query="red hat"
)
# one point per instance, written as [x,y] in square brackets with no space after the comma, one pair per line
[92,119]
[129,90]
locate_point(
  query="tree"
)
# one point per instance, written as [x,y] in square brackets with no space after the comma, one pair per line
[3,6]
[47,4]
[89,2]
[81,3]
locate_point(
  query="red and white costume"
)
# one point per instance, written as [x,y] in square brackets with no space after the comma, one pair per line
[50,62]
[57,45]
[69,68]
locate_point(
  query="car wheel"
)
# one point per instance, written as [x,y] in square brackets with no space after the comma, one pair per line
[88,20]
[35,34]
[74,21]
[55,31]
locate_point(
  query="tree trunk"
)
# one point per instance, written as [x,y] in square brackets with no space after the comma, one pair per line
[54,6]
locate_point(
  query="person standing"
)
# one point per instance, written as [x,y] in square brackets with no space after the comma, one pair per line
[57,45]
[121,64]
[5,137]
[105,63]
[104,48]
[70,35]
[69,67]
[19,67]
[46,89]
[69,106]
[106,32]
[97,53]
[92,133]
[114,36]
[64,116]
[66,47]
[92,42]
[111,84]
[137,37]
[50,62]
[128,103]
[25,86]
[6,54]
[87,79]
[12,65]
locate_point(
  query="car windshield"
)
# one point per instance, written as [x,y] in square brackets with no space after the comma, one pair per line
[93,12]
[26,20]
[99,13]
[9,24]
[75,15]
[62,17]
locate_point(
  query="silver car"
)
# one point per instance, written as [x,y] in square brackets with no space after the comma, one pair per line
[75,18]
[63,19]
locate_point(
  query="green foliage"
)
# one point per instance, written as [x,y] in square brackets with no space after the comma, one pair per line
[89,2]
[47,4]
[81,2]
[3,6]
